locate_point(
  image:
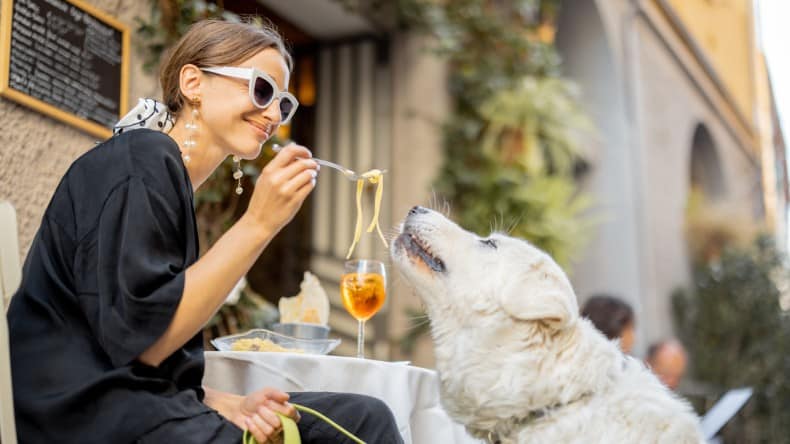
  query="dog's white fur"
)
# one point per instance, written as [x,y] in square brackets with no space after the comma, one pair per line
[509,343]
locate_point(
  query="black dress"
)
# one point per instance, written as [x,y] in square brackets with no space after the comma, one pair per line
[100,284]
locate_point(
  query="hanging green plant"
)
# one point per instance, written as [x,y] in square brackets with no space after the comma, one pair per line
[536,126]
[168,20]
[514,140]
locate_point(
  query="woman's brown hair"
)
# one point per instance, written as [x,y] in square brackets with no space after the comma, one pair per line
[214,43]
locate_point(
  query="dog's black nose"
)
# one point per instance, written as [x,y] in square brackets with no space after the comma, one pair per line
[417,210]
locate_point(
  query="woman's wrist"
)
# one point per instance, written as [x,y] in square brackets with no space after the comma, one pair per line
[226,404]
[255,230]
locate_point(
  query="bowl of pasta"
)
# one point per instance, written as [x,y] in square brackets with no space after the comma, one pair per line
[263,340]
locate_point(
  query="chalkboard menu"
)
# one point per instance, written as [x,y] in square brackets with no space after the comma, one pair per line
[66,59]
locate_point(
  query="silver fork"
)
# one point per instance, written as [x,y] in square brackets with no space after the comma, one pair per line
[348,172]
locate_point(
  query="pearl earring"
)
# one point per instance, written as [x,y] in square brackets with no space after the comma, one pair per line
[237,174]
[191,128]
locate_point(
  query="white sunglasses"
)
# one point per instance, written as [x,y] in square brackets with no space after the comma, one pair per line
[263,89]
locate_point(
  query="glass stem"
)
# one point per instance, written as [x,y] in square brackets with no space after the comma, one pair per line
[361,340]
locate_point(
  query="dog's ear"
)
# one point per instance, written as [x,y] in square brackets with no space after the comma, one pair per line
[542,293]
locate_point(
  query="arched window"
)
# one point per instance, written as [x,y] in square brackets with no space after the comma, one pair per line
[706,172]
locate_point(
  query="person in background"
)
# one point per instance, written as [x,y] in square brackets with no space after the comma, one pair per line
[613,317]
[668,360]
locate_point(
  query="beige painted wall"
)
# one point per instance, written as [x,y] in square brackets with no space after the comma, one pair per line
[666,135]
[723,29]
[36,150]
[420,103]
[647,94]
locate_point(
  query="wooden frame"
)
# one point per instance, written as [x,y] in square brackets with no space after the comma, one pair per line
[6,19]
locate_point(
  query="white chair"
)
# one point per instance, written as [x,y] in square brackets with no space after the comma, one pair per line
[10,276]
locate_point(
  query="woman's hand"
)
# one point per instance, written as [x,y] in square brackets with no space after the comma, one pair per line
[282,187]
[258,413]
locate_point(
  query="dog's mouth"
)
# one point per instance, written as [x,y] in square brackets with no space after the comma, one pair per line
[417,248]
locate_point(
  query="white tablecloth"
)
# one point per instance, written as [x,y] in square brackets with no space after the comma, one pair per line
[411,392]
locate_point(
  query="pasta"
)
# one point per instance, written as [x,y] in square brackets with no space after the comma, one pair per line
[262,345]
[375,177]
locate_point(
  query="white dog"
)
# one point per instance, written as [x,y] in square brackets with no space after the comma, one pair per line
[516,362]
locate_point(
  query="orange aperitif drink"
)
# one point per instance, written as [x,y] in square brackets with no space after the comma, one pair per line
[363,294]
[363,288]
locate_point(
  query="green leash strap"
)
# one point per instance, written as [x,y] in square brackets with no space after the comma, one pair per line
[291,432]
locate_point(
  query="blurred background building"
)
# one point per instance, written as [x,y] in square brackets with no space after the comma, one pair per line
[687,159]
[677,89]
[681,97]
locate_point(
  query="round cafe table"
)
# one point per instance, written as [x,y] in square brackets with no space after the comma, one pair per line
[411,392]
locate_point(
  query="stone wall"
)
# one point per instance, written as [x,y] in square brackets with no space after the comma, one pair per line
[36,150]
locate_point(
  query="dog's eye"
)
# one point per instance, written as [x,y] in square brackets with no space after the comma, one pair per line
[489,242]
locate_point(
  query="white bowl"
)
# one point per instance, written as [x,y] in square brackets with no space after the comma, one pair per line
[311,346]
[302,330]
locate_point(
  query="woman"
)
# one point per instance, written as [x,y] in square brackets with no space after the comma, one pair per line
[613,317]
[105,328]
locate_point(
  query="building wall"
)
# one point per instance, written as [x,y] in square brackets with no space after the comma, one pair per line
[648,91]
[591,60]
[667,129]
[724,31]
[420,102]
[36,150]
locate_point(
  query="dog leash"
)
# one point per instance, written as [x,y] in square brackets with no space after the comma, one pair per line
[291,432]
